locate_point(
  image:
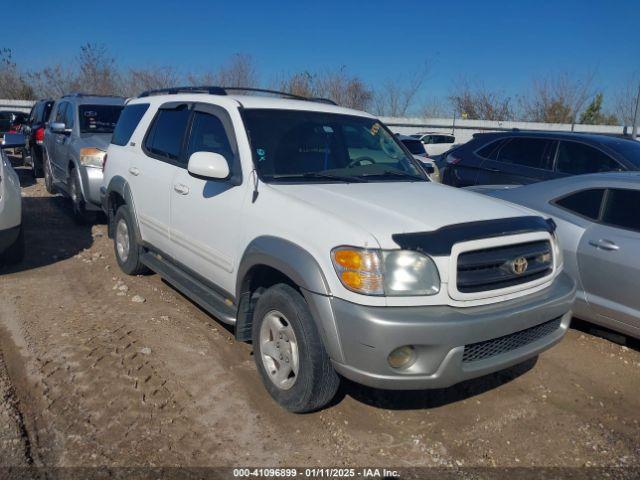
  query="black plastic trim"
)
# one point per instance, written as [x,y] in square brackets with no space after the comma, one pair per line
[439,242]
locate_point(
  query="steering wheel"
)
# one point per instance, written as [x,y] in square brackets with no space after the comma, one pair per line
[361,161]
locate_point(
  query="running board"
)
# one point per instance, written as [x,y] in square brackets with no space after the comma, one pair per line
[204,296]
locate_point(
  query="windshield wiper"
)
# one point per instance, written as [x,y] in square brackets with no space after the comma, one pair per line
[395,173]
[328,176]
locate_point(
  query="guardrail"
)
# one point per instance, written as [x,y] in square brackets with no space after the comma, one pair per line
[19,105]
[464,129]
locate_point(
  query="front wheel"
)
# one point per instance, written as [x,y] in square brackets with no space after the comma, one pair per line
[81,215]
[48,175]
[126,246]
[289,354]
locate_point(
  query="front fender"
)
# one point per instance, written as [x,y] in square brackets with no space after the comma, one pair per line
[302,268]
[119,185]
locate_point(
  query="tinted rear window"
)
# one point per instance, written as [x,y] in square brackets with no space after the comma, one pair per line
[167,132]
[528,152]
[621,209]
[99,118]
[577,158]
[586,203]
[127,123]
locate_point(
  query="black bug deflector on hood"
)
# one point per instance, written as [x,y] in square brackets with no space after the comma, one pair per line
[439,242]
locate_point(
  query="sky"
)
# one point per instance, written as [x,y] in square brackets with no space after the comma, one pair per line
[500,44]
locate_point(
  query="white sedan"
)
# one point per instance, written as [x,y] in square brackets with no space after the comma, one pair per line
[11,235]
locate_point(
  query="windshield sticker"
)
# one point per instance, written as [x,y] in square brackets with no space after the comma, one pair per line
[261,154]
[327,129]
[374,129]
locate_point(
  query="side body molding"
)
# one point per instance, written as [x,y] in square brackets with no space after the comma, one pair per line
[303,269]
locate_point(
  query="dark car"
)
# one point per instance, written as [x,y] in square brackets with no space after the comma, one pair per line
[11,121]
[518,158]
[34,132]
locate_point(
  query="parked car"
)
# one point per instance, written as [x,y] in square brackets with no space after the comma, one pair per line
[34,130]
[521,157]
[312,230]
[599,231]
[75,144]
[11,235]
[11,121]
[436,143]
[416,148]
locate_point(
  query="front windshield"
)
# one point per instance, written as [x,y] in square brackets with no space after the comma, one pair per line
[99,118]
[295,146]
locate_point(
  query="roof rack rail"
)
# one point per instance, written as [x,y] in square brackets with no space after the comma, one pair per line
[82,94]
[216,90]
[211,90]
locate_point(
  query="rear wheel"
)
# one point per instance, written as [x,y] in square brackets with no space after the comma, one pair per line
[289,354]
[81,215]
[126,246]
[36,163]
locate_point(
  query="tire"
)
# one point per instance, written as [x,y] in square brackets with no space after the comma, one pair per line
[127,251]
[48,176]
[280,311]
[15,253]
[81,215]
[36,163]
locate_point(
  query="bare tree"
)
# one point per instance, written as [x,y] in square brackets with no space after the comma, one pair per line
[239,71]
[336,85]
[476,102]
[54,81]
[558,99]
[139,80]
[625,99]
[434,108]
[12,83]
[396,96]
[97,71]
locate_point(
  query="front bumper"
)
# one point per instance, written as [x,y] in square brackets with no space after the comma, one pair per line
[439,334]
[91,183]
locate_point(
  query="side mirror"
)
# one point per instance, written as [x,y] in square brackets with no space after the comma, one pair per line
[208,165]
[13,140]
[59,127]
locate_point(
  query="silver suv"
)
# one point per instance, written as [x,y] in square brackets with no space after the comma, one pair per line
[75,144]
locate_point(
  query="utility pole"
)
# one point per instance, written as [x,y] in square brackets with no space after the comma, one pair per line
[636,116]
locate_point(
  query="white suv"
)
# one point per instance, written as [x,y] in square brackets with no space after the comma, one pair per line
[11,234]
[313,230]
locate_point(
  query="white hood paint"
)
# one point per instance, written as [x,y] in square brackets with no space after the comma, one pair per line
[386,208]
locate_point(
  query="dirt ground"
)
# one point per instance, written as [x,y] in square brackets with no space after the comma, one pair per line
[97,368]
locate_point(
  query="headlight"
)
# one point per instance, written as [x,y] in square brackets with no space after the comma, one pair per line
[557,251]
[386,272]
[92,157]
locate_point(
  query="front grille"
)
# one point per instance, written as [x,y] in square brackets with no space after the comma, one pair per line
[493,268]
[496,346]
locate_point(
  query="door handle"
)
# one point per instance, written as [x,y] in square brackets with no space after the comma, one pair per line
[134,171]
[181,189]
[604,244]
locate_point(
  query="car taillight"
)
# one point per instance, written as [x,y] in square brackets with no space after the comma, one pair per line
[104,162]
[39,135]
[453,160]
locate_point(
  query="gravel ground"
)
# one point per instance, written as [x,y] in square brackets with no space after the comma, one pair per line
[124,371]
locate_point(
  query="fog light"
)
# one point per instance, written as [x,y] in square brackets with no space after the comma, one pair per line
[402,357]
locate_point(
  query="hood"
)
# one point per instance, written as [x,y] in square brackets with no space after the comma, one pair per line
[97,140]
[386,208]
